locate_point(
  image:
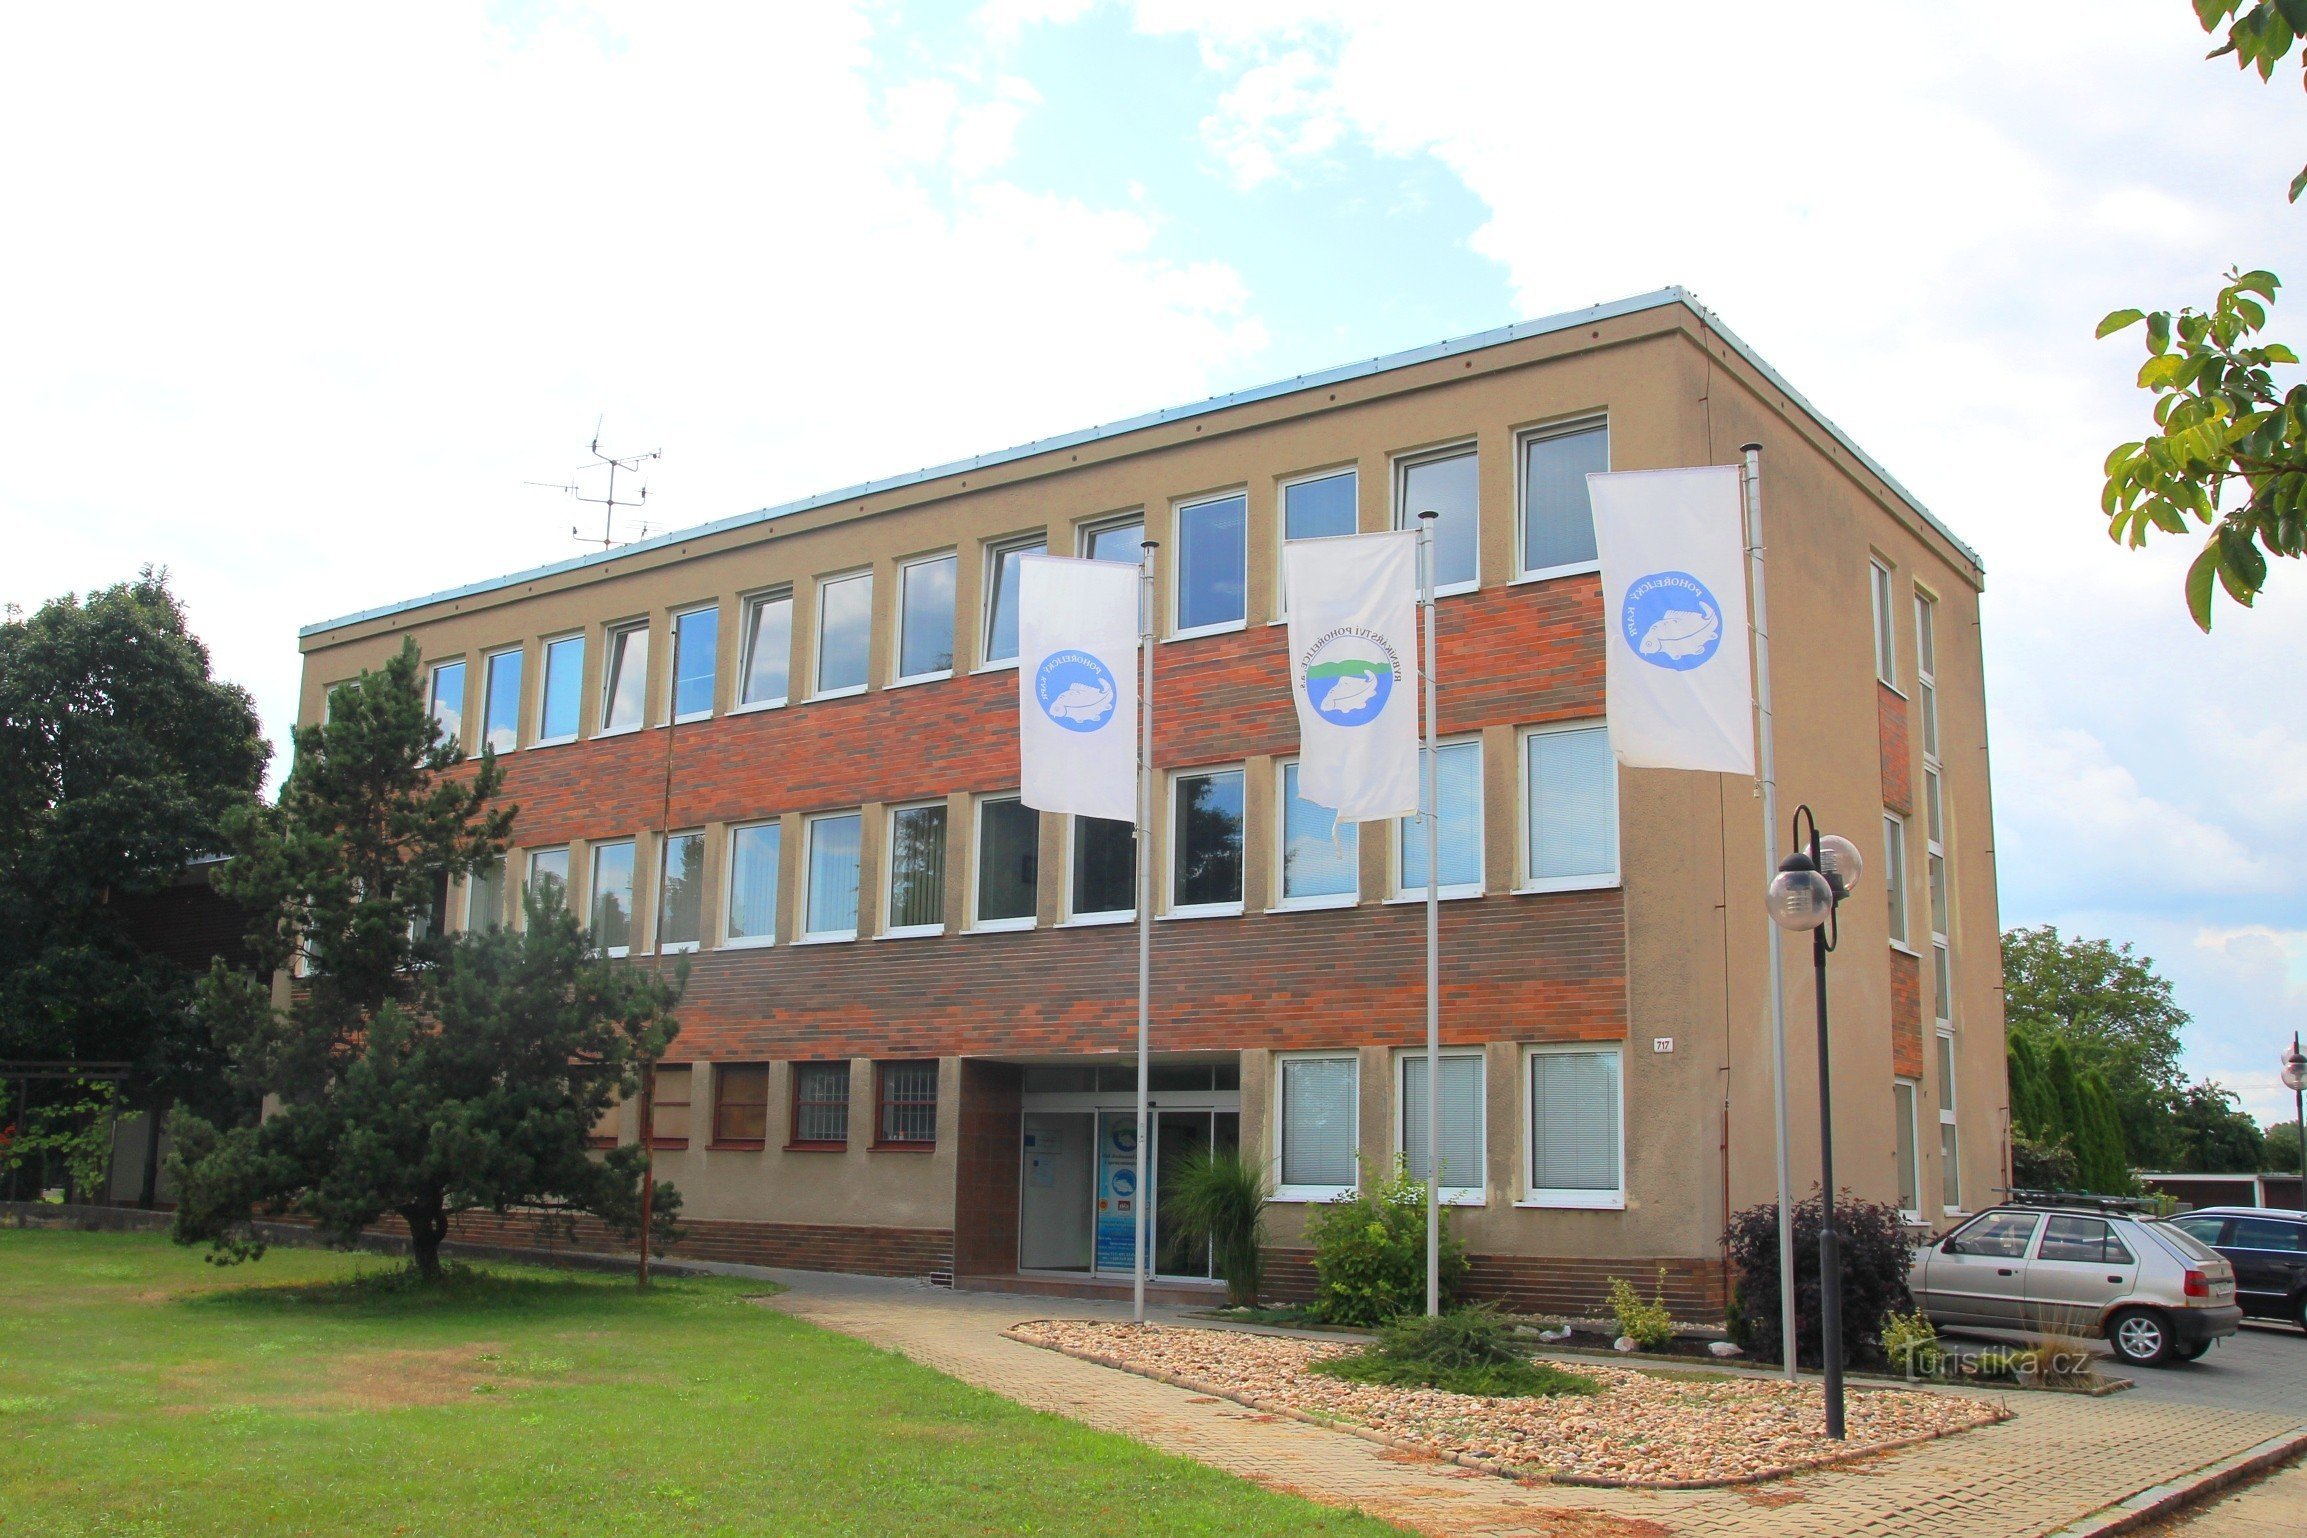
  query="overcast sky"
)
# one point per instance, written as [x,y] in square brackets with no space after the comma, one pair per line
[298,298]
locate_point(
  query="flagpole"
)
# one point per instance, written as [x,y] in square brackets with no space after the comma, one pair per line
[1431,796]
[1140,1260]
[1766,761]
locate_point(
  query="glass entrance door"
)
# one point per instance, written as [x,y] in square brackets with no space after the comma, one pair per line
[1178,1137]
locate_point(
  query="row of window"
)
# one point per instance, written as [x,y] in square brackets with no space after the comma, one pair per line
[1568,812]
[904,1106]
[1209,538]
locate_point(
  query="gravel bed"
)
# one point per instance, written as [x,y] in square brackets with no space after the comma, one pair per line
[1643,1429]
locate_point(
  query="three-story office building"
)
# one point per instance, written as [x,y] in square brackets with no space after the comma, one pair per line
[784,745]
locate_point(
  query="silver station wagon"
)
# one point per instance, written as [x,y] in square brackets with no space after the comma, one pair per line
[2021,1272]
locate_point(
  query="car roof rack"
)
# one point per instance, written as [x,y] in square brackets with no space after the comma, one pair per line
[2089,1200]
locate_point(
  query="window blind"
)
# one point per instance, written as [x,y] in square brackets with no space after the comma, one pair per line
[1318,1120]
[1461,1119]
[1573,804]
[1557,518]
[1574,1121]
[753,881]
[833,875]
[917,867]
[1458,786]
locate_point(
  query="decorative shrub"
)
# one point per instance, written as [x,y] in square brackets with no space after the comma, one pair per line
[1911,1344]
[1218,1198]
[1876,1253]
[1467,1351]
[1647,1324]
[1370,1252]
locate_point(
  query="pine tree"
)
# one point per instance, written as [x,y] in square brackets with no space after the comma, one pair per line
[2105,1164]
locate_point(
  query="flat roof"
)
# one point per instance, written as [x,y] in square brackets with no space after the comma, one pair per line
[1498,336]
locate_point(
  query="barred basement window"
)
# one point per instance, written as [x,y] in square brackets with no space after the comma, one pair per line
[740,1104]
[820,1105]
[908,1099]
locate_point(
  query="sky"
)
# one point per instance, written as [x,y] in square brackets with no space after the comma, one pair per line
[301,298]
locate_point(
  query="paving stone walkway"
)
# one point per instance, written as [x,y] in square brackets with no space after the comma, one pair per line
[2058,1460]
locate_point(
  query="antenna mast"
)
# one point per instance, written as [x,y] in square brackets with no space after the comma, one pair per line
[631,465]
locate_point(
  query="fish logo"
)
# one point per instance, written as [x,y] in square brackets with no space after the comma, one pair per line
[1671,620]
[1075,690]
[1349,676]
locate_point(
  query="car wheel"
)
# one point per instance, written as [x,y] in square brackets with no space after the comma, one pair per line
[2299,1311]
[2140,1336]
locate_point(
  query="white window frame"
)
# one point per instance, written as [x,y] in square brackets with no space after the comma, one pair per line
[545,645]
[657,906]
[995,549]
[817,650]
[1075,919]
[1351,470]
[593,853]
[433,695]
[1881,602]
[1408,827]
[809,826]
[1948,1100]
[1600,880]
[898,676]
[1522,442]
[488,666]
[1305,1193]
[891,931]
[622,631]
[1170,907]
[1180,631]
[1894,880]
[529,858]
[673,664]
[748,609]
[1564,1196]
[729,883]
[1403,464]
[1477,1194]
[1283,902]
[1086,532]
[1908,1213]
[1938,876]
[979,925]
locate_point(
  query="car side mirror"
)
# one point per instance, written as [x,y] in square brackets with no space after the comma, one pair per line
[1951,1247]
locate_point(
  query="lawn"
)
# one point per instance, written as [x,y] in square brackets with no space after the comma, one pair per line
[142,1391]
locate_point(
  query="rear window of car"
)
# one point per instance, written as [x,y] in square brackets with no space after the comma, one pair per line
[2269,1234]
[2184,1242]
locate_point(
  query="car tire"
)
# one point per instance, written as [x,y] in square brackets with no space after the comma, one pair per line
[2191,1353]
[2140,1336]
[2299,1311]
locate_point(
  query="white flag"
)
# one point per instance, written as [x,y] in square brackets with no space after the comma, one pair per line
[1354,671]
[1680,676]
[1077,686]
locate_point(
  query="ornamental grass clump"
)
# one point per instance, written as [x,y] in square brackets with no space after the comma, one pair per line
[1218,1198]
[1468,1351]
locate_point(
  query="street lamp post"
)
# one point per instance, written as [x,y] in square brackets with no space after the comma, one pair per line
[1807,894]
[2295,1080]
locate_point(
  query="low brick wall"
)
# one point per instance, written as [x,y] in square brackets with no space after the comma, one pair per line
[1542,1284]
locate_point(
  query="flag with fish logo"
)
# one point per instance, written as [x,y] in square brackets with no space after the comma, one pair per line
[1354,670]
[1678,667]
[1077,686]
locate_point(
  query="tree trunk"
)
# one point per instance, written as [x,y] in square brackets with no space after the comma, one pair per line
[428,1226]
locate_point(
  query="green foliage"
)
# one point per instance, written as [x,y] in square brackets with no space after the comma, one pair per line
[2099,1155]
[73,1129]
[2214,1134]
[120,760]
[1645,1322]
[2259,36]
[1877,1251]
[2117,1017]
[1466,1351]
[1464,1337]
[2037,1166]
[1218,1198]
[1911,1344]
[2279,1147]
[1370,1251]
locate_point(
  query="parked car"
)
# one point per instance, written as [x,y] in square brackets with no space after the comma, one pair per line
[2023,1271]
[2267,1246]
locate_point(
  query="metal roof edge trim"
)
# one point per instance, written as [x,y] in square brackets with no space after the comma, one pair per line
[1386,363]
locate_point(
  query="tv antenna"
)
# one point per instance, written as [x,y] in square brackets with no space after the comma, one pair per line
[631,465]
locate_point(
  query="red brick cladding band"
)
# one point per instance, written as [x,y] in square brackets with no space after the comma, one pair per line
[1906,1032]
[1891,738]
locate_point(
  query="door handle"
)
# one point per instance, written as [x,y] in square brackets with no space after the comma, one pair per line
[2003,1271]
[2115,1279]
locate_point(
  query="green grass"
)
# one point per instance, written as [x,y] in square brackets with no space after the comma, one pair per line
[1490,1380]
[143,1392]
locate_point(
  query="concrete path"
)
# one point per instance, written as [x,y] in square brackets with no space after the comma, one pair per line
[2056,1463]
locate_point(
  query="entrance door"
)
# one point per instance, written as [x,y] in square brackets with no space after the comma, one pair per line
[1054,1216]
[1179,1136]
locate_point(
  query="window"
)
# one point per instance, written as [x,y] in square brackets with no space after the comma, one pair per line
[925,617]
[1321,857]
[696,643]
[1206,841]
[2205,1229]
[1008,861]
[1885,644]
[844,632]
[1104,867]
[432,915]
[1576,1153]
[448,699]
[485,896]
[753,854]
[549,875]
[613,897]
[768,659]
[907,1105]
[1926,669]
[1894,872]
[1904,1139]
[1950,1147]
[1934,805]
[501,709]
[1458,782]
[1445,484]
[1212,573]
[2089,1240]
[681,892]
[1122,542]
[830,888]
[2267,1234]
[669,1106]
[1460,1121]
[558,701]
[820,1105]
[916,871]
[1557,517]
[1001,596]
[740,1105]
[1321,507]
[1318,1106]
[2002,1235]
[624,692]
[1570,808]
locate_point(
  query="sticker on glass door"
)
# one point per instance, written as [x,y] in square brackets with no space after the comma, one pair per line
[1117,1193]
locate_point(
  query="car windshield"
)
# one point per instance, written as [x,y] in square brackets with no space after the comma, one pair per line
[2182,1241]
